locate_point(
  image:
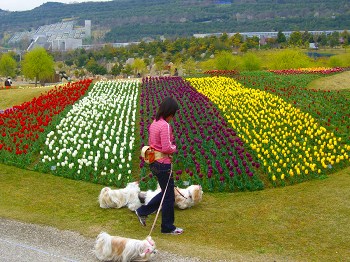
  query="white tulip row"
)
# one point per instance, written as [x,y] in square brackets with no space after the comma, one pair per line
[97,135]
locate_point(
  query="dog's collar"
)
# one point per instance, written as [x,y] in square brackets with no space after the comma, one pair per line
[148,250]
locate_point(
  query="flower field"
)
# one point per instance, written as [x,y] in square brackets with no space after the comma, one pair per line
[95,140]
[221,72]
[209,151]
[6,87]
[260,130]
[331,108]
[290,143]
[23,125]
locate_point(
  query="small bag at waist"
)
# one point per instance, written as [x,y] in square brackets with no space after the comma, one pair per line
[150,155]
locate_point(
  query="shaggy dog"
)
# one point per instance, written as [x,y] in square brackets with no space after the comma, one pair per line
[131,196]
[184,197]
[117,198]
[188,197]
[121,249]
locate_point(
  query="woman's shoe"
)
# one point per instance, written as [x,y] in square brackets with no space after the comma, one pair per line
[176,231]
[142,219]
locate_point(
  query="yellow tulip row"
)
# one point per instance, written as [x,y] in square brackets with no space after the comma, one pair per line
[314,68]
[286,140]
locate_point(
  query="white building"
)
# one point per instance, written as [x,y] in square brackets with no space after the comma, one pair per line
[57,37]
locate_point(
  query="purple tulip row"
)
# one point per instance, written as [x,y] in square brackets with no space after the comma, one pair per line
[209,152]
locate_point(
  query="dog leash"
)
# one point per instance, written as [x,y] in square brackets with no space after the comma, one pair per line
[161,202]
[178,191]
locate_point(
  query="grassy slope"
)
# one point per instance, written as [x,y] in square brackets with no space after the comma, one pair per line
[335,82]
[308,221]
[11,97]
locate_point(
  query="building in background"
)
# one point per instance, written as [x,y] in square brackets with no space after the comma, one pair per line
[56,37]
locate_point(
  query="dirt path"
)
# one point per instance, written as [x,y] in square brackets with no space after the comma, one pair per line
[28,242]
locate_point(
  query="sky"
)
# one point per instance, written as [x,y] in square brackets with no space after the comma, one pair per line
[23,5]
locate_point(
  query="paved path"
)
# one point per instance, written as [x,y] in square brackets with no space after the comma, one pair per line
[22,242]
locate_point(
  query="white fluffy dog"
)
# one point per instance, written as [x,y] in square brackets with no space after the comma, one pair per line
[184,197]
[121,249]
[188,197]
[117,198]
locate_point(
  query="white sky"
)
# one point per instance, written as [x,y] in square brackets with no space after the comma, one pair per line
[22,5]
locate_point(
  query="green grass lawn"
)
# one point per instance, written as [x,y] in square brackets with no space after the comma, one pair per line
[334,82]
[12,97]
[304,222]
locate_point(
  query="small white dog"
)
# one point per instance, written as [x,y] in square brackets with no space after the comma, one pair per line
[117,198]
[184,197]
[133,198]
[188,197]
[121,249]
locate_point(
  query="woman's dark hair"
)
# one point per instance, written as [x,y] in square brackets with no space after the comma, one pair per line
[167,108]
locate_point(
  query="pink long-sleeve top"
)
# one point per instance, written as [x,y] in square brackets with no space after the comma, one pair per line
[160,138]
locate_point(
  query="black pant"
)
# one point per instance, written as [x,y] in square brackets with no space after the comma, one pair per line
[162,172]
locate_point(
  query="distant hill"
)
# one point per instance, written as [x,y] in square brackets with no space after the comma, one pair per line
[131,20]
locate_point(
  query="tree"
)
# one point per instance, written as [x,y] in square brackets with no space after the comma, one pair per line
[95,68]
[295,39]
[322,39]
[307,37]
[159,64]
[116,69]
[38,64]
[345,37]
[69,62]
[237,40]
[225,61]
[334,39]
[244,48]
[252,42]
[190,66]
[8,65]
[139,66]
[127,70]
[81,60]
[281,38]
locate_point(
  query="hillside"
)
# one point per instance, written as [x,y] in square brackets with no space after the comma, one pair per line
[131,20]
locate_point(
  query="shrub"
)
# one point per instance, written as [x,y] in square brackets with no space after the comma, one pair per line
[342,60]
[251,62]
[287,59]
[226,61]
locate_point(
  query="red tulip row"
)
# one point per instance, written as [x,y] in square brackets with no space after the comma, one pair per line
[7,87]
[22,125]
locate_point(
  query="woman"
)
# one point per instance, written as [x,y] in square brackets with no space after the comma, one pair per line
[160,138]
